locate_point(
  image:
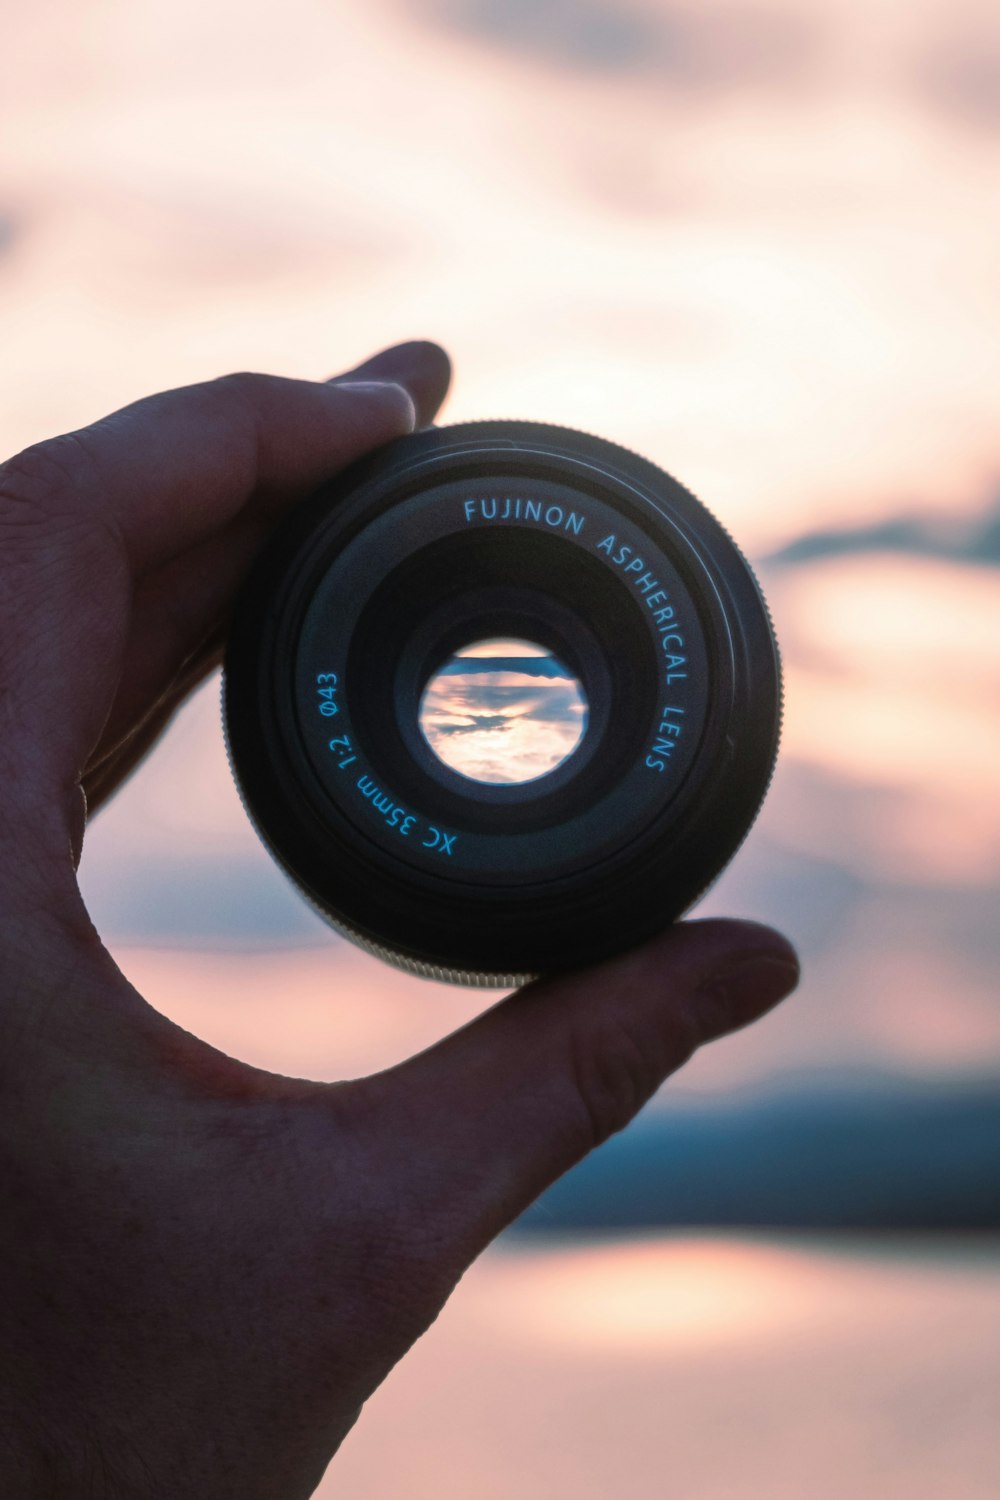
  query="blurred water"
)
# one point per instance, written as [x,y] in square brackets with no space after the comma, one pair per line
[705,1369]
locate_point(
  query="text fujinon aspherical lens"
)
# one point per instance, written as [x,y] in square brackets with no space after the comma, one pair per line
[502,699]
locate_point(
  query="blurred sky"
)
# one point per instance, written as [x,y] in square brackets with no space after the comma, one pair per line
[757,242]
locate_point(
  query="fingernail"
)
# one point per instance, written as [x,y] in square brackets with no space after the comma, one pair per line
[421,367]
[372,387]
[745,989]
[386,393]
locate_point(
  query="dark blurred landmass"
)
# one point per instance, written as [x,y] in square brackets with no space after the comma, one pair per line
[872,1154]
[977,543]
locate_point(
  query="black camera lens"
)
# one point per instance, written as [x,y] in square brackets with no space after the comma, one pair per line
[502,699]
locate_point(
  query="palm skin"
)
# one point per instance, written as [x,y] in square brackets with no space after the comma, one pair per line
[206,1269]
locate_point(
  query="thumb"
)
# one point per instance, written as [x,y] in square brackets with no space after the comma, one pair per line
[486,1119]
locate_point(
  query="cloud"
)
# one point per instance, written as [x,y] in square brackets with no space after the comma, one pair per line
[581,32]
[481,724]
[8,231]
[468,688]
[684,45]
[977,544]
[961,75]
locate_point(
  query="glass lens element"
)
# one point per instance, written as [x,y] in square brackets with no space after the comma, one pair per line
[503,711]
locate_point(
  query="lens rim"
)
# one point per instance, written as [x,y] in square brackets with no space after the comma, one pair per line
[488,934]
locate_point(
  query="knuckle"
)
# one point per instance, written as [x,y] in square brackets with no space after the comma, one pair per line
[243,395]
[243,388]
[243,379]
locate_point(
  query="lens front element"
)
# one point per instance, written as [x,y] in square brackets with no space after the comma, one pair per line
[503,712]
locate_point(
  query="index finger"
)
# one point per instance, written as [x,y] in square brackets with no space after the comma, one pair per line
[172,469]
[85,519]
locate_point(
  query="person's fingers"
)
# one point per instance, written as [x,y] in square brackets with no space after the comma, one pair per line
[478,1125]
[86,519]
[175,467]
[106,773]
[169,471]
[191,593]
[173,609]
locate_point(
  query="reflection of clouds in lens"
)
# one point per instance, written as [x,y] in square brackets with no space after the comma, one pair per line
[478,725]
[503,711]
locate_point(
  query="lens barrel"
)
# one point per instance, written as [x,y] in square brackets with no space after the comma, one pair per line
[470,533]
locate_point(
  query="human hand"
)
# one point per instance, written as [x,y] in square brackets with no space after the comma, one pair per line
[206,1269]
